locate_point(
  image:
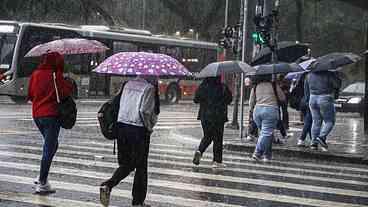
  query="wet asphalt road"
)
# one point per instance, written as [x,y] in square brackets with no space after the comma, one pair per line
[85,159]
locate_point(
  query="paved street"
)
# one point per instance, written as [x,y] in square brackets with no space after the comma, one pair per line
[85,159]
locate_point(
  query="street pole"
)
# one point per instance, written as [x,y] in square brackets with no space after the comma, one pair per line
[226,22]
[234,124]
[244,39]
[144,14]
[366,88]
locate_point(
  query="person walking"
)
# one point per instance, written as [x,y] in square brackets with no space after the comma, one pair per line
[323,86]
[213,97]
[264,101]
[41,93]
[307,116]
[138,110]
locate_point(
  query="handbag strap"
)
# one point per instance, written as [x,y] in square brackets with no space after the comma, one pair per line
[277,97]
[56,89]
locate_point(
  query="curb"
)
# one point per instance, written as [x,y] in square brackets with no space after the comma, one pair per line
[302,153]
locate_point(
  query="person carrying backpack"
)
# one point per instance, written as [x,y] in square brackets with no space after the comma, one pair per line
[42,94]
[138,111]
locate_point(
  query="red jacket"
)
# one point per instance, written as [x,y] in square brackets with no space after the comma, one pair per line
[41,91]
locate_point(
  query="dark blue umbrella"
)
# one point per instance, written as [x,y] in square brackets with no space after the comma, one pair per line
[333,61]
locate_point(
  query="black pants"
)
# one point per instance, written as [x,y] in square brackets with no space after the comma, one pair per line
[285,115]
[212,131]
[133,147]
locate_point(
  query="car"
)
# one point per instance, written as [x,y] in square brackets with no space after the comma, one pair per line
[351,98]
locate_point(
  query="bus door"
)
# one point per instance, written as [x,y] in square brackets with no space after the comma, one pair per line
[99,84]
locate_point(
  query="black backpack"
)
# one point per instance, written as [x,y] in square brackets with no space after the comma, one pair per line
[297,94]
[108,116]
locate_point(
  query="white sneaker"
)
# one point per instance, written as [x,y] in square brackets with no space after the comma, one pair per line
[37,180]
[44,189]
[249,138]
[218,165]
[266,160]
[324,149]
[301,143]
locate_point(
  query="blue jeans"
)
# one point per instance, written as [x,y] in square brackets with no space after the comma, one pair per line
[266,118]
[323,115]
[49,128]
[307,124]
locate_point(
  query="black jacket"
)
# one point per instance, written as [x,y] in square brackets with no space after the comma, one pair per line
[213,97]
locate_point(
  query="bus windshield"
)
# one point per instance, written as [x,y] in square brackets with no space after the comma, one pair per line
[7,44]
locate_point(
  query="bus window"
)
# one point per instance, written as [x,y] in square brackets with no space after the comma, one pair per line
[119,46]
[7,44]
[148,48]
[34,36]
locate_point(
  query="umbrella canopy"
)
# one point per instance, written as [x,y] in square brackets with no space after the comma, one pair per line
[142,63]
[333,61]
[218,68]
[276,68]
[287,52]
[68,46]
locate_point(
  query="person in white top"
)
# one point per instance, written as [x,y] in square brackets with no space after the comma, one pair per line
[139,108]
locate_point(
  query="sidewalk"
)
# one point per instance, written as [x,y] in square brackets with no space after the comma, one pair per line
[347,143]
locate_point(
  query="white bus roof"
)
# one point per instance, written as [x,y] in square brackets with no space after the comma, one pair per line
[124,34]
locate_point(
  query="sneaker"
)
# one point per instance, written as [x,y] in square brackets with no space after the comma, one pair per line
[323,143]
[37,180]
[256,157]
[278,141]
[44,189]
[105,192]
[314,147]
[197,157]
[141,205]
[218,165]
[249,138]
[266,160]
[301,143]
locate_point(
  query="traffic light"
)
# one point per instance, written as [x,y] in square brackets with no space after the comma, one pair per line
[263,29]
[227,37]
[257,38]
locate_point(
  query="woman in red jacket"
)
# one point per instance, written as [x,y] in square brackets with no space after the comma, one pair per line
[44,110]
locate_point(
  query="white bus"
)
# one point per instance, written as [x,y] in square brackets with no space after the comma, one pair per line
[17,38]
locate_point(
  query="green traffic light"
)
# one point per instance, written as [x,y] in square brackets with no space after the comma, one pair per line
[257,38]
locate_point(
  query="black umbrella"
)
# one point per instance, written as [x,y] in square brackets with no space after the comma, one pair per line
[276,68]
[333,61]
[287,52]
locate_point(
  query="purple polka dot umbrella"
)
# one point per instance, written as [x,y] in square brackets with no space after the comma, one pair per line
[142,63]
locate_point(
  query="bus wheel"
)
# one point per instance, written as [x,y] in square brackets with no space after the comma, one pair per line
[172,94]
[19,99]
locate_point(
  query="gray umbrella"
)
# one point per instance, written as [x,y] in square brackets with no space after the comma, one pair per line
[217,68]
[333,61]
[275,69]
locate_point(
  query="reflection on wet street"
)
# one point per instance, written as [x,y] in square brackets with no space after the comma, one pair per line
[85,159]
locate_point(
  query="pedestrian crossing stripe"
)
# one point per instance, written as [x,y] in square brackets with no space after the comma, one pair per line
[183,186]
[182,151]
[269,183]
[44,200]
[118,192]
[187,164]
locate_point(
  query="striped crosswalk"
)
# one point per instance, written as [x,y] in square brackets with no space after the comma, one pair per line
[174,181]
